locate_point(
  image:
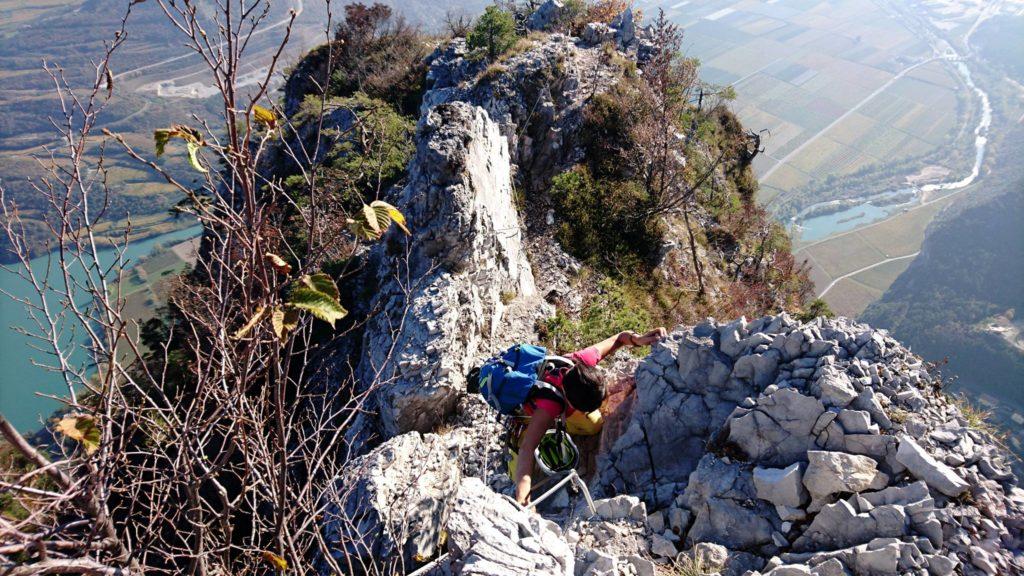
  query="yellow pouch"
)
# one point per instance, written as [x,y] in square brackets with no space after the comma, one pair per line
[580,424]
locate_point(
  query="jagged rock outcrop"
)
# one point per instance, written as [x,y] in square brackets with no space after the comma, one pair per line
[489,534]
[536,97]
[823,446]
[392,504]
[930,496]
[463,288]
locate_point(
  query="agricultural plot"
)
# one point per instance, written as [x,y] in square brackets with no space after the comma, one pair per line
[850,297]
[881,277]
[843,254]
[799,66]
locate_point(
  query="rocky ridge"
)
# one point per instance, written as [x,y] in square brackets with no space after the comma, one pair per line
[764,447]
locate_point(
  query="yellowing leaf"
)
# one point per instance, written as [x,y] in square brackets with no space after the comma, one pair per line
[318,295]
[392,214]
[82,429]
[253,321]
[193,141]
[278,263]
[193,156]
[274,560]
[284,320]
[264,116]
[375,218]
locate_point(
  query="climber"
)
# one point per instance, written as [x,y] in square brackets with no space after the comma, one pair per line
[568,393]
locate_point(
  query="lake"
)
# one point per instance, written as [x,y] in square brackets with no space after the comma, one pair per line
[21,382]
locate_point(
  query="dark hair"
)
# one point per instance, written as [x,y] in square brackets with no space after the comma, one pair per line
[584,387]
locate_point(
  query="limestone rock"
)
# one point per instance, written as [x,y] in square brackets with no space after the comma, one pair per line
[922,465]
[489,535]
[839,525]
[831,473]
[621,507]
[725,512]
[394,501]
[545,16]
[663,547]
[781,486]
[459,194]
[835,388]
[778,431]
[625,27]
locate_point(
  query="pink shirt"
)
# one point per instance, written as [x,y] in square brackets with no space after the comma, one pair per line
[589,356]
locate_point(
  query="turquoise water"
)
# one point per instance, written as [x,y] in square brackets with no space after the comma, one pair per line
[857,216]
[22,382]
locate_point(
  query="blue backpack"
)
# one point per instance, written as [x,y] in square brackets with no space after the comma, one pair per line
[506,380]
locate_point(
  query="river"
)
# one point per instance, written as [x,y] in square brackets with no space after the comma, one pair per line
[21,381]
[818,227]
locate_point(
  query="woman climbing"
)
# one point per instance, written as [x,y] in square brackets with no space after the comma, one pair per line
[544,392]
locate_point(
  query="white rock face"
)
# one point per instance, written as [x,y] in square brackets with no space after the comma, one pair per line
[836,388]
[466,253]
[776,452]
[781,486]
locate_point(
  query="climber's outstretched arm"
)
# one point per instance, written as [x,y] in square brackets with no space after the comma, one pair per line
[539,424]
[629,338]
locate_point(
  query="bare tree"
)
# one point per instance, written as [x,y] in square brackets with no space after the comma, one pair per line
[202,447]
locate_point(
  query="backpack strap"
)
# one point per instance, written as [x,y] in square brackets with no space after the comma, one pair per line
[552,388]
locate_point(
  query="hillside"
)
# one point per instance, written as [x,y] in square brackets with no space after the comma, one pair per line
[957,299]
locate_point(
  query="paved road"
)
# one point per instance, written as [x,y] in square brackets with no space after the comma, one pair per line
[283,22]
[882,88]
[855,272]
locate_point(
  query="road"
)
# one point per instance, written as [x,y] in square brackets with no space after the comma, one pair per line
[283,22]
[847,114]
[855,272]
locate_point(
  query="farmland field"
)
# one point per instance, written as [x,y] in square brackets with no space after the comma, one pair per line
[800,66]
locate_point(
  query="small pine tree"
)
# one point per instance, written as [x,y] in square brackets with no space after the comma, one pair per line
[817,307]
[495,32]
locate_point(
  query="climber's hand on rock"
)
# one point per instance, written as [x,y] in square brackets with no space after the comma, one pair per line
[650,337]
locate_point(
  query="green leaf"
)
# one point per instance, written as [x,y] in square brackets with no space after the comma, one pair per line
[318,295]
[323,283]
[160,139]
[193,157]
[82,429]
